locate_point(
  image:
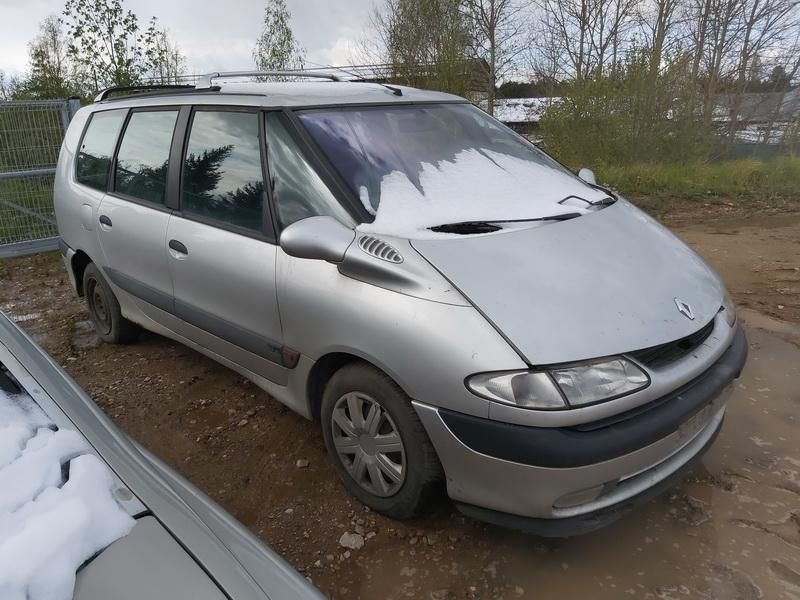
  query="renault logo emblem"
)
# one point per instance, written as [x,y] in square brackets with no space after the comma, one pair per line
[684,309]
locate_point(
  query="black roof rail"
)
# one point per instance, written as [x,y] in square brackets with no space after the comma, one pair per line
[104,94]
[204,81]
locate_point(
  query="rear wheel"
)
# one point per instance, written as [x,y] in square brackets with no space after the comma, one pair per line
[380,448]
[104,309]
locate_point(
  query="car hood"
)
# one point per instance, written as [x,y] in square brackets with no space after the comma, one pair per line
[601,284]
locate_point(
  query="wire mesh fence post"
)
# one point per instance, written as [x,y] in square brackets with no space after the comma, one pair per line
[31,132]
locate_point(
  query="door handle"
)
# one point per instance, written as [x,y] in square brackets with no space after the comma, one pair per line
[178,247]
[104,220]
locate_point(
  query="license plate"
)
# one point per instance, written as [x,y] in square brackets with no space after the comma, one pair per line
[695,423]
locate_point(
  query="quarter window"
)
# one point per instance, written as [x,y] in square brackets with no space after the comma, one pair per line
[97,146]
[298,191]
[222,175]
[143,157]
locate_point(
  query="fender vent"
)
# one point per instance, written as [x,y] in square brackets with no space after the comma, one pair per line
[379,249]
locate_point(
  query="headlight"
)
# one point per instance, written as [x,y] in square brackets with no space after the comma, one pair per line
[730,310]
[592,382]
[527,389]
[560,388]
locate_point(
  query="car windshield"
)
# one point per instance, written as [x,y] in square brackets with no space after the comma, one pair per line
[417,167]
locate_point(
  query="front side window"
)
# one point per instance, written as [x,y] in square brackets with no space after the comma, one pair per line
[143,157]
[298,190]
[97,146]
[222,175]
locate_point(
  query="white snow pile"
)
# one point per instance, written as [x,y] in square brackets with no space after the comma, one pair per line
[475,186]
[521,110]
[48,526]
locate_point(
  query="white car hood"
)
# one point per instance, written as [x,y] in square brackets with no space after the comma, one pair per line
[600,284]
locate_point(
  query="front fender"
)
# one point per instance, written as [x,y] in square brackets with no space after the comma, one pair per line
[427,347]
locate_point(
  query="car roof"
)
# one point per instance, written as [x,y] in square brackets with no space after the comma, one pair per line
[282,94]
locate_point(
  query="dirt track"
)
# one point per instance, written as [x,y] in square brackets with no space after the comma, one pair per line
[732,530]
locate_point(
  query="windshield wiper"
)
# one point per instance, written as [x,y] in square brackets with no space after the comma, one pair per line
[465,227]
[468,227]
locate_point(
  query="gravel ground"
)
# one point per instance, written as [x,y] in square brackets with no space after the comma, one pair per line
[731,530]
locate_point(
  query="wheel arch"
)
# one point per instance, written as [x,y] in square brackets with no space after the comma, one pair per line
[80,260]
[328,364]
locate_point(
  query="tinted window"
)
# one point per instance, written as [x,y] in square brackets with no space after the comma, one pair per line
[298,190]
[143,156]
[222,176]
[97,146]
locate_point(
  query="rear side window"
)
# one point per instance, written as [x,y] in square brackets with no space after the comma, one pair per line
[298,190]
[143,157]
[222,175]
[93,162]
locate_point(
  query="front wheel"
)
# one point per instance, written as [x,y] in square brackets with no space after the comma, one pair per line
[378,444]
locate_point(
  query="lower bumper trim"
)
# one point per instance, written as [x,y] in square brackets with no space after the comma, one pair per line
[586,523]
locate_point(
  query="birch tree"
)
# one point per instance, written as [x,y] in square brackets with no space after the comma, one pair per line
[500,34]
[590,32]
[164,61]
[426,43]
[52,71]
[104,41]
[276,47]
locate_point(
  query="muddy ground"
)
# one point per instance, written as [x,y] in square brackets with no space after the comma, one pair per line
[731,530]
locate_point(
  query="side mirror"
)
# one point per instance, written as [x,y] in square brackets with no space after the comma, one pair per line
[587,175]
[318,238]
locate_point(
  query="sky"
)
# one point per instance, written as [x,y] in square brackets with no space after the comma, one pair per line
[214,35]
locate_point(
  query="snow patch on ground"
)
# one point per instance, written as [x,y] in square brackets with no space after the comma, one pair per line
[476,186]
[56,504]
[521,110]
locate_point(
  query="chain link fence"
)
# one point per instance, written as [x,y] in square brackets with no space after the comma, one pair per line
[31,133]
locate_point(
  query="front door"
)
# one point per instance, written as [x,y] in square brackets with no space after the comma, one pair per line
[220,247]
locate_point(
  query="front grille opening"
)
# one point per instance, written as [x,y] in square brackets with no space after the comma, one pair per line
[666,354]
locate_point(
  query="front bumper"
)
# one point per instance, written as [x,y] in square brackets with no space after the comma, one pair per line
[563,481]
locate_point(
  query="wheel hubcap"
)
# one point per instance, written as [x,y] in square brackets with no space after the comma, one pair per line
[368,444]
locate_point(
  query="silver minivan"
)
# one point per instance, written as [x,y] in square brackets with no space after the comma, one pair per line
[454,306]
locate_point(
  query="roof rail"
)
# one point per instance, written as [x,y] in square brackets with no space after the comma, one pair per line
[204,81]
[104,94]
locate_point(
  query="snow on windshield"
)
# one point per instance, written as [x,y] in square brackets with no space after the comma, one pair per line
[419,166]
[56,504]
[478,185]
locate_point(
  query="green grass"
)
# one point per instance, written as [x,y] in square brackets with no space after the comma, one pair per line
[34,194]
[737,179]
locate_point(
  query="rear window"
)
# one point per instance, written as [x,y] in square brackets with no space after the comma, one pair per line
[143,157]
[97,147]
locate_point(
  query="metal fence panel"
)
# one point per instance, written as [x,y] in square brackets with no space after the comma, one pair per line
[31,133]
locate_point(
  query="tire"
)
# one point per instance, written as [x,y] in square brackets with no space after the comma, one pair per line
[104,309]
[419,479]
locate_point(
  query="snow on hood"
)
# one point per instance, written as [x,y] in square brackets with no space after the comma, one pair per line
[48,526]
[475,186]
